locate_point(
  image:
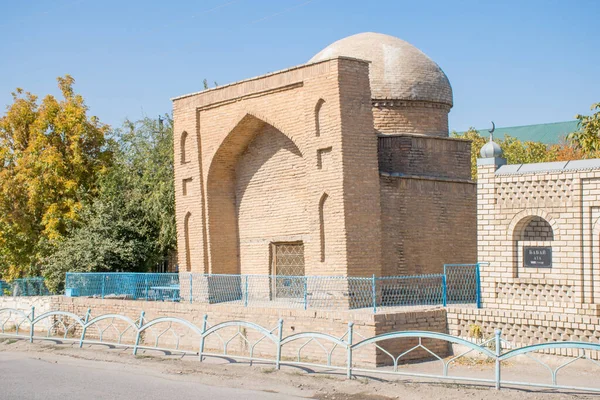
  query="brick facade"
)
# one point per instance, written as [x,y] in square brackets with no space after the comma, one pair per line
[308,156]
[544,205]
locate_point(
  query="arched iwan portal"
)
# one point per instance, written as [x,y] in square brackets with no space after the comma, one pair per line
[255,191]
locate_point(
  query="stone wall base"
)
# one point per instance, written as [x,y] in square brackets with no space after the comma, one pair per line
[366,325]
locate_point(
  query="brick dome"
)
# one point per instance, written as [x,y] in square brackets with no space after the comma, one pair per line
[398,69]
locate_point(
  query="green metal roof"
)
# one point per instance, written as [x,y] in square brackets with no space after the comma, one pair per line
[551,133]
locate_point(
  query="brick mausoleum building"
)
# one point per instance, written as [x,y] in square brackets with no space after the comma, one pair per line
[340,166]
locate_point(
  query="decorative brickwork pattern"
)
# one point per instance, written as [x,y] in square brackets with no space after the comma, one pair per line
[535,291]
[533,191]
[523,328]
[547,209]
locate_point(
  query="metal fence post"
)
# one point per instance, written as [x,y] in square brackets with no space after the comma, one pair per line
[202,337]
[139,333]
[245,290]
[374,292]
[146,283]
[498,353]
[84,329]
[349,350]
[444,290]
[279,338]
[31,324]
[191,287]
[305,292]
[478,286]
[66,282]
[103,280]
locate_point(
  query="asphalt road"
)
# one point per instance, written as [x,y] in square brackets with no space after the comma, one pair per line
[25,378]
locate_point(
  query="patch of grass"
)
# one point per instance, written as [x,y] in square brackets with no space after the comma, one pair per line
[267,370]
[9,341]
[322,376]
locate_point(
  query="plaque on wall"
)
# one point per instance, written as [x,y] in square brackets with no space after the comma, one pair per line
[538,257]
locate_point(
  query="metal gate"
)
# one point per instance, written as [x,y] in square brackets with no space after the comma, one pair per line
[288,269]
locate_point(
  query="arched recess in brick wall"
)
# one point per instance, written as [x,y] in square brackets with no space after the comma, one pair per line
[183,147]
[186,233]
[319,117]
[519,223]
[534,228]
[249,181]
[322,222]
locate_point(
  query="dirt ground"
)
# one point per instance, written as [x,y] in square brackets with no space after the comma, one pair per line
[296,381]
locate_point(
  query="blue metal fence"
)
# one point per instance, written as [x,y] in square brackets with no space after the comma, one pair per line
[459,284]
[24,287]
[462,284]
[170,334]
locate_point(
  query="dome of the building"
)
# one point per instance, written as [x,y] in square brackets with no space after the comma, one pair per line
[491,150]
[398,69]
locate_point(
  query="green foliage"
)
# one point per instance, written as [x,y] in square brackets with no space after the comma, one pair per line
[587,138]
[517,152]
[51,156]
[130,225]
[514,150]
[477,143]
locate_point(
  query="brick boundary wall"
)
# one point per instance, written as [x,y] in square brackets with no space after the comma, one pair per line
[366,324]
[523,328]
[42,304]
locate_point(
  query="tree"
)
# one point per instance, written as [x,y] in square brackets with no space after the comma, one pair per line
[477,143]
[130,225]
[51,155]
[518,152]
[587,138]
[566,151]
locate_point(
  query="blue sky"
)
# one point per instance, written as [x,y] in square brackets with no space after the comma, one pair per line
[514,62]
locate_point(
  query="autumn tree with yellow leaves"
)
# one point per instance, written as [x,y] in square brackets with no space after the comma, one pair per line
[51,155]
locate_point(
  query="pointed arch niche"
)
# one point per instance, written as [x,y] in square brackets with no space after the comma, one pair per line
[322,221]
[319,117]
[183,148]
[252,197]
[186,232]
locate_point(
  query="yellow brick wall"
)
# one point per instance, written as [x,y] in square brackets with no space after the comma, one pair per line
[427,223]
[523,328]
[559,209]
[395,116]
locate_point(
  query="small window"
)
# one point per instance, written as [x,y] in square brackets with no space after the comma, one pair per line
[288,269]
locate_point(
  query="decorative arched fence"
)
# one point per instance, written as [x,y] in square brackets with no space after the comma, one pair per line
[117,330]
